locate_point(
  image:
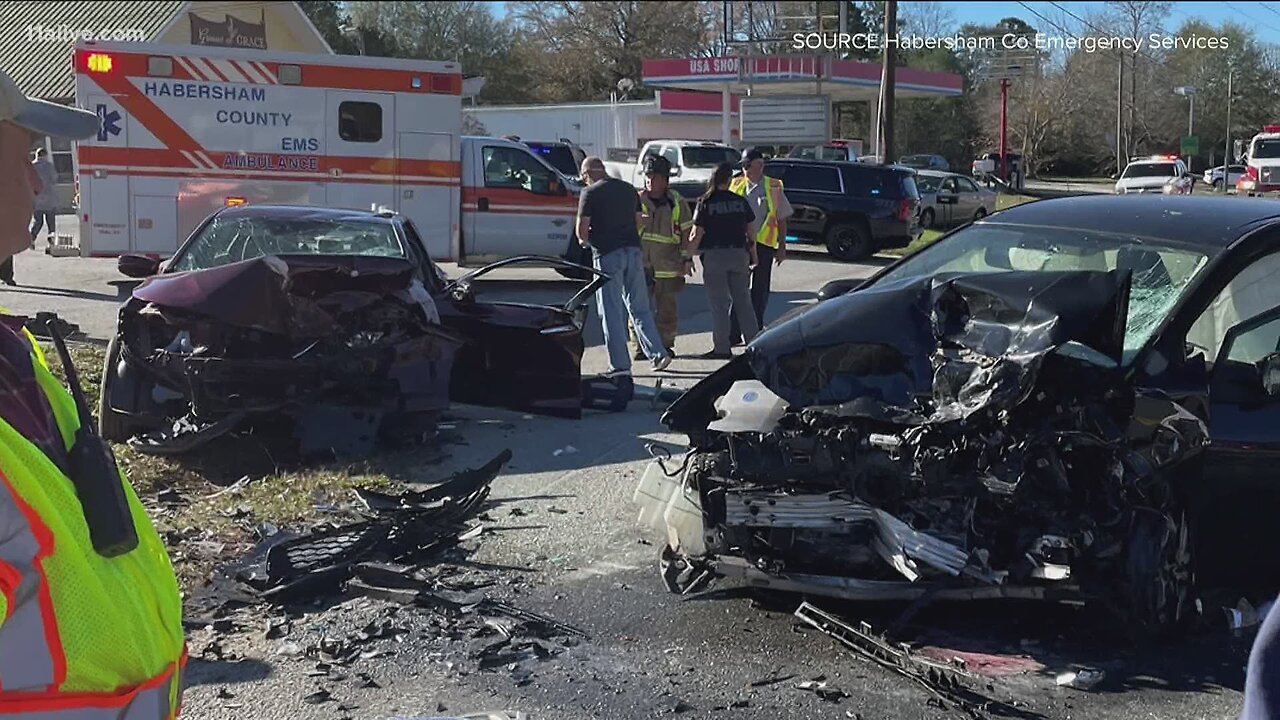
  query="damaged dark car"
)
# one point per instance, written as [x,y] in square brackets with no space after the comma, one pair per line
[1072,400]
[336,322]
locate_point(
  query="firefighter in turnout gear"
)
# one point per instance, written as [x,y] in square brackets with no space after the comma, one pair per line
[90,615]
[665,220]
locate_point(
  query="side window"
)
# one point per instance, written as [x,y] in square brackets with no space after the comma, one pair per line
[653,150]
[807,153]
[672,154]
[1255,290]
[812,178]
[949,185]
[506,167]
[966,185]
[360,121]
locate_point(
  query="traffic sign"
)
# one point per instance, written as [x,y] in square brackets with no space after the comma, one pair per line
[1191,145]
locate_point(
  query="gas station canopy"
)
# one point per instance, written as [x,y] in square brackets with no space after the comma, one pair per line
[843,80]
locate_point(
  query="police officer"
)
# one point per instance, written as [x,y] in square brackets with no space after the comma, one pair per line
[665,220]
[770,205]
[90,616]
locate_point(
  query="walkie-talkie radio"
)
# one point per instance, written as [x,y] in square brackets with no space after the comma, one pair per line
[92,469]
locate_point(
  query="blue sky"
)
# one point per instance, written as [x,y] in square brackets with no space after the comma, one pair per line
[1263,17]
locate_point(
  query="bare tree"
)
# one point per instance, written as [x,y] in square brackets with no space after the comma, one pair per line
[929,18]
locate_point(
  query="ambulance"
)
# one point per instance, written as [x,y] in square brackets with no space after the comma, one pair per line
[186,130]
[1262,163]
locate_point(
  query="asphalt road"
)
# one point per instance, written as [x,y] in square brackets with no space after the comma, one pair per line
[563,525]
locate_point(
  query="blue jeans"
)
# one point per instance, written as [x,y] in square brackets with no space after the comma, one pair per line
[626,293]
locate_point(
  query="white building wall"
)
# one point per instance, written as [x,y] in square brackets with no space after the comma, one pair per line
[595,127]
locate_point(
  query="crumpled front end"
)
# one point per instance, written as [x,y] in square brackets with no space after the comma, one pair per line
[967,436]
[336,345]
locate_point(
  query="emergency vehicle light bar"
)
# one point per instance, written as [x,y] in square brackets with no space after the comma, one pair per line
[1271,128]
[98,62]
[235,201]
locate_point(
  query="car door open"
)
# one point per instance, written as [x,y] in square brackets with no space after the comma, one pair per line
[1234,509]
[516,355]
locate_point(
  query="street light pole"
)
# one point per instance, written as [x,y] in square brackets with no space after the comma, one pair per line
[1191,115]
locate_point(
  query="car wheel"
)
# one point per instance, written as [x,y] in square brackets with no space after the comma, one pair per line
[926,218]
[1158,578]
[982,212]
[849,242]
[112,426]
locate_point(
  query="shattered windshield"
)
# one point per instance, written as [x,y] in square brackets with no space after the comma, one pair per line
[709,157]
[1137,170]
[1161,274]
[227,240]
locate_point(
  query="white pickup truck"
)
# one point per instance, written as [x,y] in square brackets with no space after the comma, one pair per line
[692,161]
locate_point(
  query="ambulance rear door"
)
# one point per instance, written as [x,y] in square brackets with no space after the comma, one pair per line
[360,141]
[104,180]
[428,188]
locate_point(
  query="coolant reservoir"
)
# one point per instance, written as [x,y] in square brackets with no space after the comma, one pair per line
[653,494]
[749,406]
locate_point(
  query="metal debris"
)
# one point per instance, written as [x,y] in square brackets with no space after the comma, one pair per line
[406,526]
[822,689]
[1083,679]
[948,684]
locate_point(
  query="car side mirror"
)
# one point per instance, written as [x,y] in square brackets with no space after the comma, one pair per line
[677,172]
[1271,374]
[138,266]
[462,293]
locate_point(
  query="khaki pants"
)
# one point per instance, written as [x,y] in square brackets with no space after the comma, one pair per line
[664,294]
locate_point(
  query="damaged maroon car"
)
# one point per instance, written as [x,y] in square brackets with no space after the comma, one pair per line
[1073,400]
[334,321]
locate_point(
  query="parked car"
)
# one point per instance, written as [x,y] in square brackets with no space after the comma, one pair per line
[1075,399]
[691,160]
[854,208]
[1165,174]
[951,199]
[335,321]
[847,150]
[926,162]
[1214,176]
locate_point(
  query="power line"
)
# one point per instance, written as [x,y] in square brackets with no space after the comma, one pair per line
[1253,18]
[1269,9]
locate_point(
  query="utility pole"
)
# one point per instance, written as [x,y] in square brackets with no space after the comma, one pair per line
[1120,156]
[1004,129]
[1228,157]
[887,80]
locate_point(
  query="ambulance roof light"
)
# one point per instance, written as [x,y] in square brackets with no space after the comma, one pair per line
[98,62]
[1271,128]
[235,201]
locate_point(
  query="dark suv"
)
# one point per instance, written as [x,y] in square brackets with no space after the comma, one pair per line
[854,208]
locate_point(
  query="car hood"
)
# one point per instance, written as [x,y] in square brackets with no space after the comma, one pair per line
[292,295]
[1145,182]
[926,349]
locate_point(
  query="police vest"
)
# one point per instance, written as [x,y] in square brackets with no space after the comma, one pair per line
[83,636]
[768,233]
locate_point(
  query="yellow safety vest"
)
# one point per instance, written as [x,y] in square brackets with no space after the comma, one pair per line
[768,233]
[83,636]
[665,256]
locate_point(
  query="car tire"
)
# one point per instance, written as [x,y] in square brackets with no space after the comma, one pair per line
[926,218]
[982,212]
[112,426]
[1158,582]
[849,242]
